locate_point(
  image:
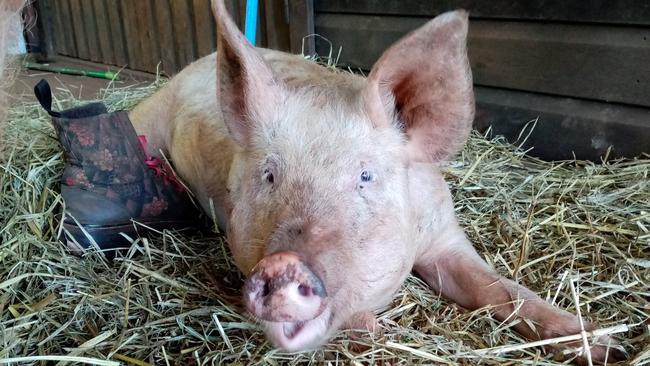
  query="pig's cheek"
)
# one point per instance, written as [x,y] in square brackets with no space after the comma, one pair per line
[244,252]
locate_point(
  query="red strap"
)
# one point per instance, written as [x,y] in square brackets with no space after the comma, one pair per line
[160,168]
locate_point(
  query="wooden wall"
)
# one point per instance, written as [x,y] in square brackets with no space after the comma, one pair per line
[582,67]
[145,34]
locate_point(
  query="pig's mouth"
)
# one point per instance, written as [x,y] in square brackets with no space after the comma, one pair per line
[291,329]
[300,335]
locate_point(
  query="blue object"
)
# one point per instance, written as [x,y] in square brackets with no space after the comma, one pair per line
[250,28]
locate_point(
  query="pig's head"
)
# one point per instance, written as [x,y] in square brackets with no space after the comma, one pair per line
[321,221]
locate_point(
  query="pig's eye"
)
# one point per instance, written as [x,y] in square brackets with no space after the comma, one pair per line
[268,176]
[365,177]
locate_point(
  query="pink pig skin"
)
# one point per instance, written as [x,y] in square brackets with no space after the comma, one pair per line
[329,184]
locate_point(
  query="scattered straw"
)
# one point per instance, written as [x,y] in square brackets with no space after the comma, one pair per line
[174,299]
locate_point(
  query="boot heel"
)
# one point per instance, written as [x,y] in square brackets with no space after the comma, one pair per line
[108,238]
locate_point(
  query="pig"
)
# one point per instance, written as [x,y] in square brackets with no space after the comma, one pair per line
[329,184]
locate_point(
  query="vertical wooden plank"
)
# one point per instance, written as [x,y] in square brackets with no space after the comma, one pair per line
[301,24]
[131,36]
[182,26]
[148,53]
[61,44]
[165,39]
[152,36]
[47,18]
[260,33]
[204,28]
[76,20]
[103,32]
[116,26]
[88,20]
[277,25]
[65,12]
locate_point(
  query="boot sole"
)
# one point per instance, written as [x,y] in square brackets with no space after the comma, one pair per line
[110,238]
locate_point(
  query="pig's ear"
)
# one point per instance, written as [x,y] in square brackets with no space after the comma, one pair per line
[425,80]
[247,91]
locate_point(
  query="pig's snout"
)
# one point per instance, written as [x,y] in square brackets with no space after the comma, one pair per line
[281,288]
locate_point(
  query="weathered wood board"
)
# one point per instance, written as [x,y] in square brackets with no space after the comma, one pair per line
[630,12]
[163,35]
[566,128]
[587,61]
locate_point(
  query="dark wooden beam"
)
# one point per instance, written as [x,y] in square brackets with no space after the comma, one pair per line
[165,37]
[40,38]
[630,12]
[597,62]
[301,25]
[117,37]
[277,25]
[104,31]
[566,127]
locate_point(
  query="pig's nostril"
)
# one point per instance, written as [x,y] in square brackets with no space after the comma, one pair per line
[266,289]
[304,290]
[296,231]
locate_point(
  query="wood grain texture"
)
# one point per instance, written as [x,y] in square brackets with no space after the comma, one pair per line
[146,35]
[115,24]
[593,62]
[589,61]
[204,28]
[165,37]
[54,12]
[77,26]
[277,25]
[301,25]
[632,12]
[183,32]
[104,31]
[90,29]
[67,44]
[131,35]
[566,127]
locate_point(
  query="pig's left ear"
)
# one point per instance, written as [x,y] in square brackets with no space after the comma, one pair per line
[247,90]
[425,80]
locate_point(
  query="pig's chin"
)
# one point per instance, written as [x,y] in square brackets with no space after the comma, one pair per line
[299,336]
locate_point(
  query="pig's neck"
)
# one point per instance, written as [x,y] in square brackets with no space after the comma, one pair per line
[432,208]
[183,121]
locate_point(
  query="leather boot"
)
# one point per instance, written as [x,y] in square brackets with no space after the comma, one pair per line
[109,181]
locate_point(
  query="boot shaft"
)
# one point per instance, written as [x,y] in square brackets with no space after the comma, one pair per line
[98,151]
[108,177]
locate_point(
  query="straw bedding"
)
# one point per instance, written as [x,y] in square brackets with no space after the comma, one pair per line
[570,230]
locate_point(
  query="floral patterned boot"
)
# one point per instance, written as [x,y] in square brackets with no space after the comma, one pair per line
[109,182]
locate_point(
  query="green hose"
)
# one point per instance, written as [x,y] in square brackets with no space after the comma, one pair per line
[69,71]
